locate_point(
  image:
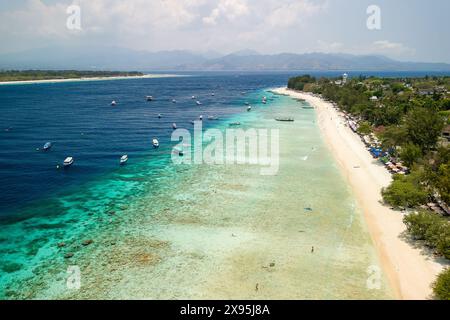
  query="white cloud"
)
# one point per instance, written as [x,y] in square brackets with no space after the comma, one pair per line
[231,9]
[292,12]
[391,48]
[329,47]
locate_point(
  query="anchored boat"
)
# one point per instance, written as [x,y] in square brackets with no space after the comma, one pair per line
[47,146]
[123,159]
[68,162]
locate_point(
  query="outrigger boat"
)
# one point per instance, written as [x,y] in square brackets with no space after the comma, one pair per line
[155,143]
[178,151]
[285,119]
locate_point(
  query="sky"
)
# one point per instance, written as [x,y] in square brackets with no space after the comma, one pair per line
[410,30]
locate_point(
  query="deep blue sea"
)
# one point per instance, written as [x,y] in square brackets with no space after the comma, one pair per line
[80,122]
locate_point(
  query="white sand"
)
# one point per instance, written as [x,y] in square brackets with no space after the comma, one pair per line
[145,76]
[409,270]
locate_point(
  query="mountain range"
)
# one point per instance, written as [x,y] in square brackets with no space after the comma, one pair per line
[116,58]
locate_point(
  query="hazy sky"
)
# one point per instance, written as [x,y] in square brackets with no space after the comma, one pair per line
[415,30]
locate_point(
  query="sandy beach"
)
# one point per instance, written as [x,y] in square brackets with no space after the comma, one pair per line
[410,270]
[145,76]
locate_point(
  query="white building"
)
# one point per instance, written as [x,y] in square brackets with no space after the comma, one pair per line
[344,78]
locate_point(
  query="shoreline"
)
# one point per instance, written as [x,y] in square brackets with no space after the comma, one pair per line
[409,271]
[145,76]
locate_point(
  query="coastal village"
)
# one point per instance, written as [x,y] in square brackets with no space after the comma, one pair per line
[404,124]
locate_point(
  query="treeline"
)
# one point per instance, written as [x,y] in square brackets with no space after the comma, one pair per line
[408,117]
[298,83]
[29,75]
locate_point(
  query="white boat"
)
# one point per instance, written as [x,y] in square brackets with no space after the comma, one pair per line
[113,103]
[213,94]
[47,146]
[68,161]
[174,126]
[174,101]
[200,118]
[149,98]
[213,118]
[198,103]
[123,159]
[179,151]
[249,108]
[193,97]
[159,116]
[155,143]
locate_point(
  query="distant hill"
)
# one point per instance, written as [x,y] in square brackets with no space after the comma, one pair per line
[114,58]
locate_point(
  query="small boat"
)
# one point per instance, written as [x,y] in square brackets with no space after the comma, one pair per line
[233,124]
[200,118]
[198,103]
[68,162]
[47,146]
[113,103]
[193,97]
[249,108]
[213,94]
[159,116]
[155,143]
[285,119]
[174,126]
[178,151]
[149,98]
[174,101]
[213,118]
[123,159]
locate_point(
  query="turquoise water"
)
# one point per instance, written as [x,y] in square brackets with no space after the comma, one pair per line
[162,231]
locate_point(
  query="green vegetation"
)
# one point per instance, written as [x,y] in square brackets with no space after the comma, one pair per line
[432,229]
[408,117]
[298,83]
[365,128]
[32,75]
[405,191]
[441,287]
